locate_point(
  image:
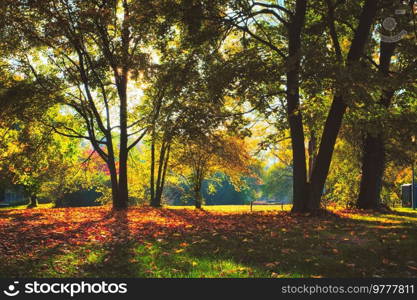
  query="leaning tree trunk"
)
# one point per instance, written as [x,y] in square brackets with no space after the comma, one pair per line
[162,169]
[373,157]
[338,108]
[324,156]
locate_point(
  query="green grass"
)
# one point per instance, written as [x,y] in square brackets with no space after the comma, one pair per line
[353,245]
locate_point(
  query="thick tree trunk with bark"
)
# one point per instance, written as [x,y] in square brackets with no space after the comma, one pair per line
[33,201]
[372,172]
[198,198]
[293,109]
[373,157]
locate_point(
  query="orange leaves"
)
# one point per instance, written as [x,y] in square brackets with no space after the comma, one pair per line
[274,241]
[26,231]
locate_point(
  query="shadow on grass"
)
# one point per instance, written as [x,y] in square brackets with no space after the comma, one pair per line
[327,246]
[115,257]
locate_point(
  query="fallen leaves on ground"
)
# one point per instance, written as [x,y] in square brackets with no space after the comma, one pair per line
[272,240]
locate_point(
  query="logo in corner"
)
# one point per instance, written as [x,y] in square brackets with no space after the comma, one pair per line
[12,291]
[390,26]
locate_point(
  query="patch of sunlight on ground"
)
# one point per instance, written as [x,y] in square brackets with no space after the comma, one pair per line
[398,216]
[155,262]
[237,208]
[24,206]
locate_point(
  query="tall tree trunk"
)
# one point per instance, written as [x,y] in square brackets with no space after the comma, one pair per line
[373,157]
[372,172]
[165,169]
[123,193]
[121,83]
[162,169]
[152,175]
[154,202]
[293,109]
[198,197]
[33,201]
[158,191]
[2,193]
[338,107]
[114,183]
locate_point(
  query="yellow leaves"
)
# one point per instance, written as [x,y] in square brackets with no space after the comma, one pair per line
[232,43]
[18,77]
[276,275]
[111,27]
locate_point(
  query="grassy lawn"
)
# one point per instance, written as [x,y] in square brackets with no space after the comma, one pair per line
[226,241]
